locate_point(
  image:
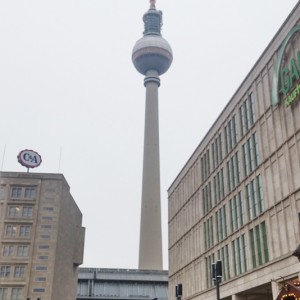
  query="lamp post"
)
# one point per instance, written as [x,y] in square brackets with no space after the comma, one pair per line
[217,276]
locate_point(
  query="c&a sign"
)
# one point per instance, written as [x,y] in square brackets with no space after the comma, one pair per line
[29,158]
[286,80]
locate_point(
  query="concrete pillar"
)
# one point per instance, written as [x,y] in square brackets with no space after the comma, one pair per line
[275,290]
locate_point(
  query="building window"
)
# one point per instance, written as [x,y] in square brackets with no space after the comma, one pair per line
[42,257]
[27,211]
[45,236]
[29,192]
[23,192]
[239,255]
[219,186]
[233,172]
[221,224]
[16,192]
[230,134]
[25,230]
[43,246]
[255,198]
[208,233]
[19,271]
[223,255]
[41,268]
[205,165]
[48,208]
[16,294]
[217,151]
[250,154]
[208,263]
[236,212]
[40,279]
[46,226]
[10,230]
[8,250]
[13,211]
[38,290]
[22,251]
[259,245]
[4,271]
[47,218]
[3,293]
[247,114]
[206,196]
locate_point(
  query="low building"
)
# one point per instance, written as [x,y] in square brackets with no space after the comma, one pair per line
[41,237]
[121,284]
[237,199]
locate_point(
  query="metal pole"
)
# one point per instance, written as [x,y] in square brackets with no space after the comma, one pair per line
[218,288]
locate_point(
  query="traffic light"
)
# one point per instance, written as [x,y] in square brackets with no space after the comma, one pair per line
[178,290]
[216,271]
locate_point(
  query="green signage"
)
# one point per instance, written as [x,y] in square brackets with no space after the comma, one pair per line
[286,79]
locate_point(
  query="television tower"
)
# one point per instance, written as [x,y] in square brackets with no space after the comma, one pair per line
[152,57]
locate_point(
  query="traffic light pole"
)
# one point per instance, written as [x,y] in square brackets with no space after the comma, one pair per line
[217,276]
[218,288]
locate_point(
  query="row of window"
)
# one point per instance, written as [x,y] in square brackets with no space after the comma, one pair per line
[253,203]
[242,256]
[12,250]
[14,211]
[15,271]
[15,250]
[21,251]
[13,230]
[247,119]
[18,192]
[15,293]
[24,211]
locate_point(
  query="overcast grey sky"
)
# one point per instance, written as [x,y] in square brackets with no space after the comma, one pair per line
[69,91]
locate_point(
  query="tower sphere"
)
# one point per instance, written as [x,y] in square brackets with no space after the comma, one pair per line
[152,51]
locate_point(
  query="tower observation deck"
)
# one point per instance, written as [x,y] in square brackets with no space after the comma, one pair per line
[152,57]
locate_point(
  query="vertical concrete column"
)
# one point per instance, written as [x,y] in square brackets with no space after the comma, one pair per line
[275,290]
[237,297]
[150,251]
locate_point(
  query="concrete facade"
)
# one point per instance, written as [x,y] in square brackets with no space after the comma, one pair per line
[121,284]
[41,237]
[237,199]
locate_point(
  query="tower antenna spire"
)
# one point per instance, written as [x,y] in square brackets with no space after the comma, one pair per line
[152,3]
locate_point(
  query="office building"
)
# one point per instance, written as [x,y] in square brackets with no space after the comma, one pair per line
[237,198]
[41,237]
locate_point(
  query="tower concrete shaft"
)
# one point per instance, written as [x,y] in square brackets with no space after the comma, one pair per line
[152,57]
[150,252]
